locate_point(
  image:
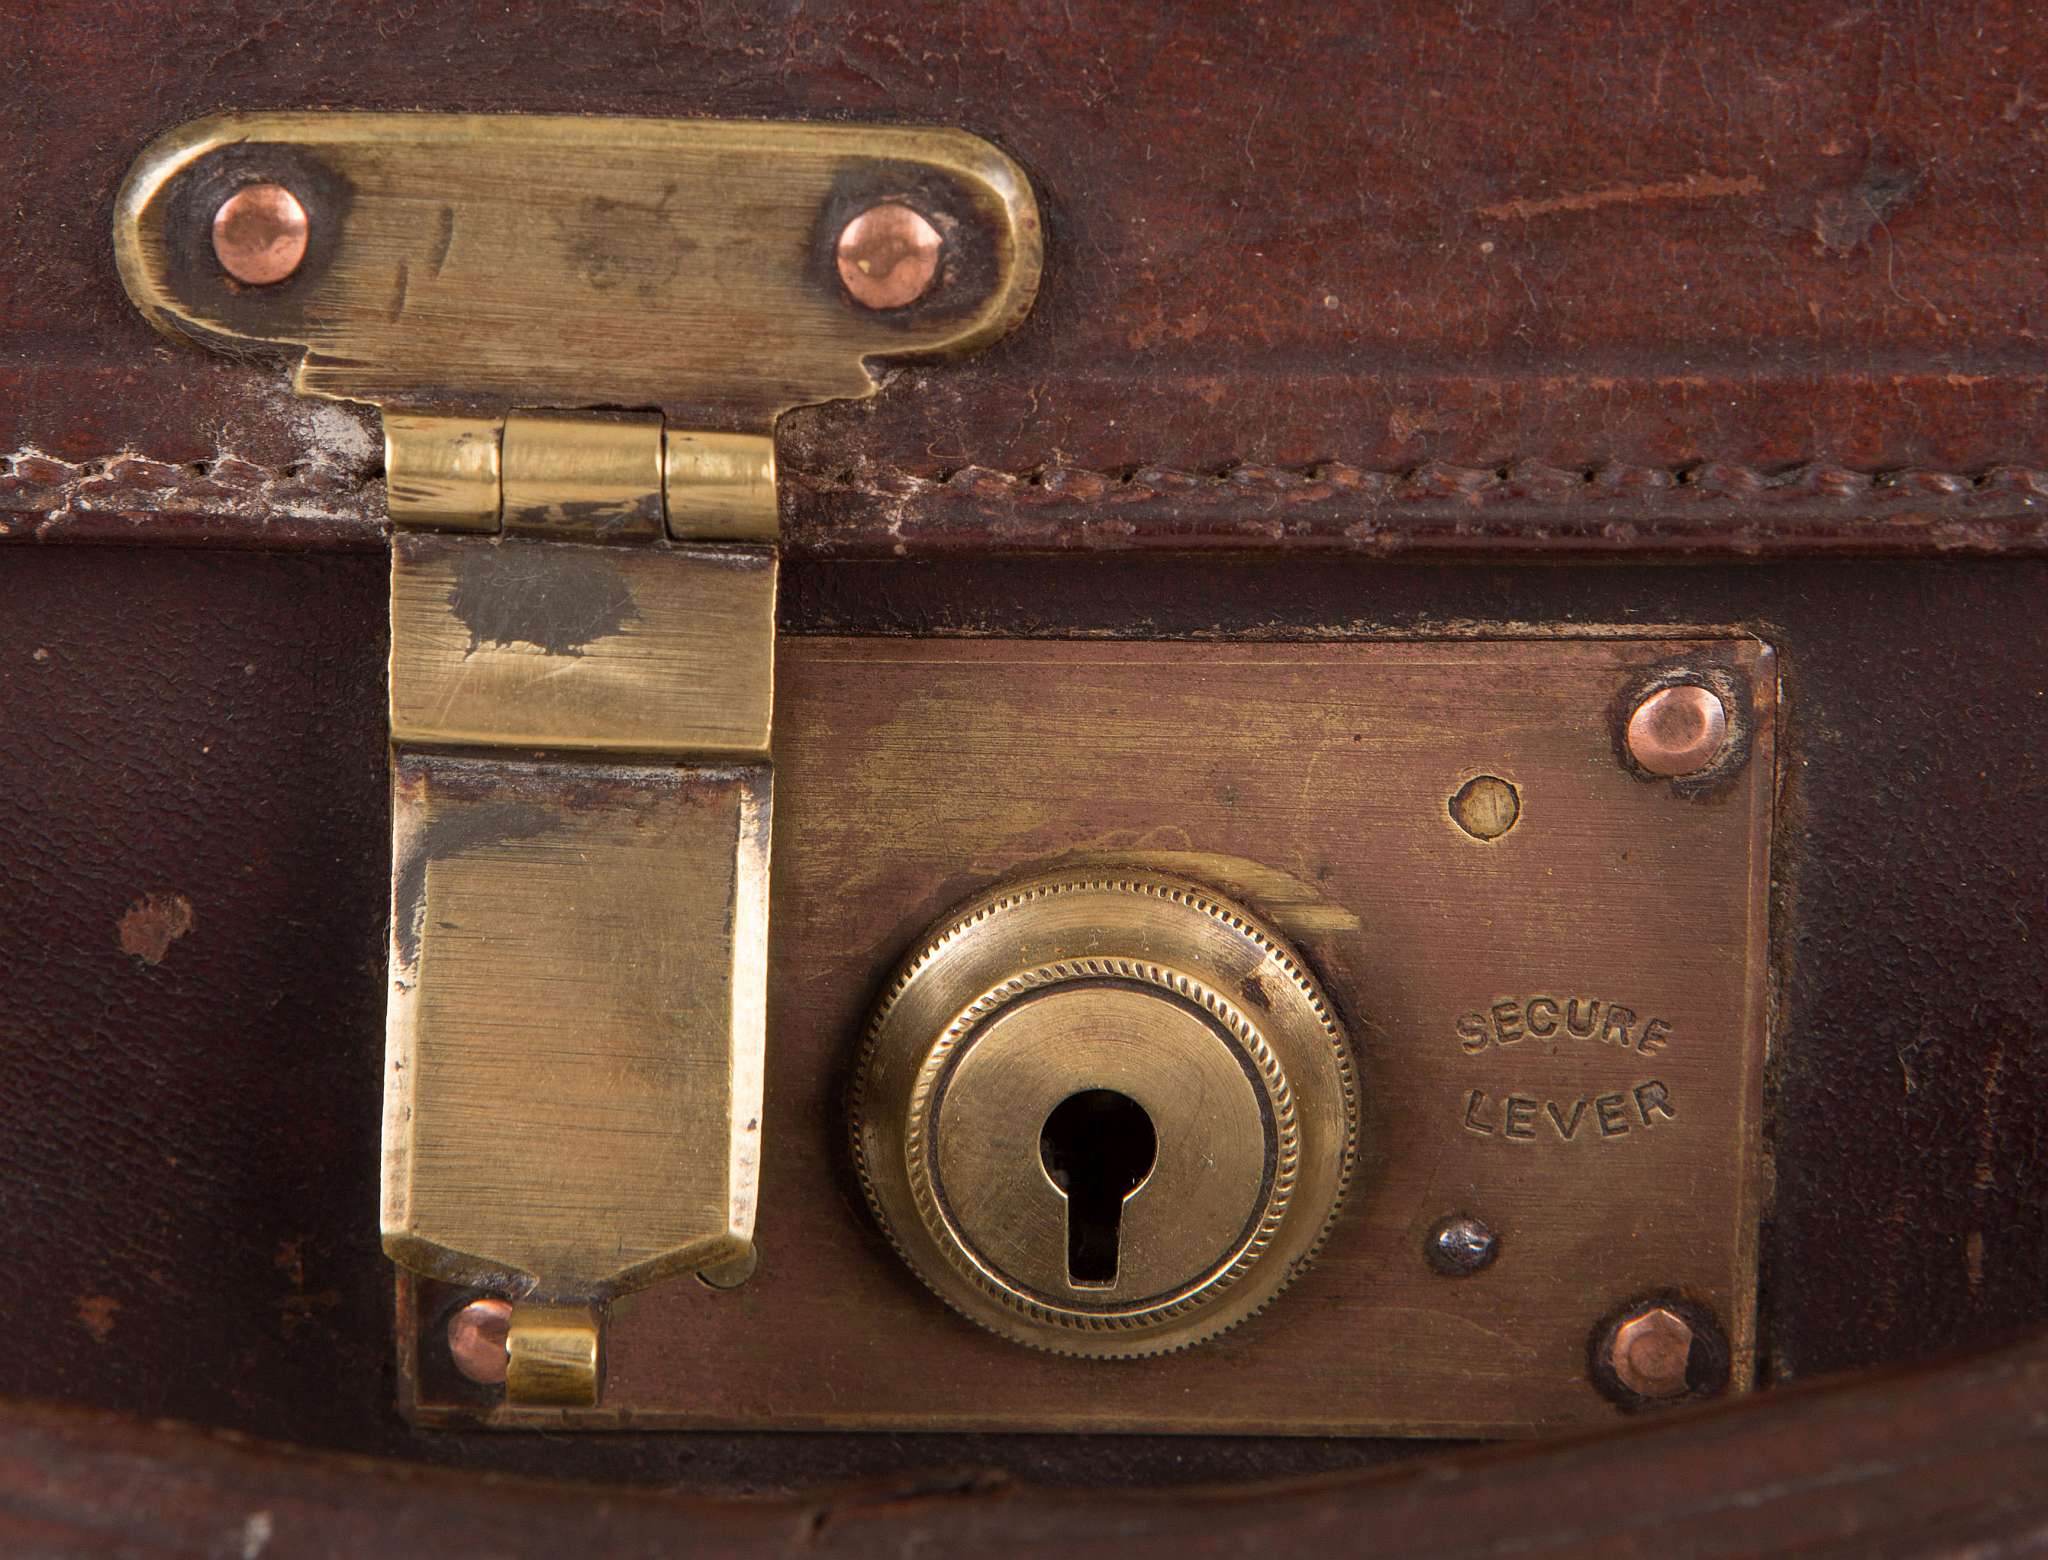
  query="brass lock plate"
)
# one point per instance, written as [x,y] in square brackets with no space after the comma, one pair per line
[1551,964]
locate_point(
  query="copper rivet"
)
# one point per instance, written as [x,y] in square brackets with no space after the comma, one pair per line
[1651,1351]
[1677,731]
[476,1338]
[888,256]
[259,234]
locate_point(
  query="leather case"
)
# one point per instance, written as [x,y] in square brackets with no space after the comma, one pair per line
[1386,317]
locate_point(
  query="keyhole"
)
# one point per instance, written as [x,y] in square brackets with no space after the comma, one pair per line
[1098,1147]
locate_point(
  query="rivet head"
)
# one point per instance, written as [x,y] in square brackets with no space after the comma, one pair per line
[1677,731]
[1461,1246]
[259,234]
[1486,807]
[477,1340]
[1651,1351]
[888,256]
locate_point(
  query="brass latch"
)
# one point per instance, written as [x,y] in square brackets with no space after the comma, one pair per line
[577,1012]
[581,333]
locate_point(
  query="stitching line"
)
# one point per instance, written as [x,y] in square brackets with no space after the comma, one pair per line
[31,479]
[1435,481]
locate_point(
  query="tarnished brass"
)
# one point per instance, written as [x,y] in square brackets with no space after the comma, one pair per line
[575,1020]
[443,472]
[575,1031]
[579,477]
[528,644]
[1480,983]
[505,261]
[1486,807]
[551,1356]
[583,476]
[1163,994]
[721,487]
[544,306]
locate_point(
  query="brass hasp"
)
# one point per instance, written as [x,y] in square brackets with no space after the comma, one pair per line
[581,333]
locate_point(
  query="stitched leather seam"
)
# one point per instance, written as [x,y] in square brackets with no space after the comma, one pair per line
[1533,480]
[33,480]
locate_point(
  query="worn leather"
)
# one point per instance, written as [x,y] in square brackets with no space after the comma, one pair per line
[1941,1460]
[1379,263]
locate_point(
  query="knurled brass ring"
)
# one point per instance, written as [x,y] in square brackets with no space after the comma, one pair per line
[1143,936]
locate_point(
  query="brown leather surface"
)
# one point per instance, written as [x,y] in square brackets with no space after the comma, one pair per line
[1390,267]
[188,1172]
[1943,1460]
[195,742]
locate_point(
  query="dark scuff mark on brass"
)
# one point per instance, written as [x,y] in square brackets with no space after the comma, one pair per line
[586,236]
[588,520]
[455,833]
[558,599]
[444,240]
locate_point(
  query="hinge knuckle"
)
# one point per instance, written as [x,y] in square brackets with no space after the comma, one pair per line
[583,476]
[443,472]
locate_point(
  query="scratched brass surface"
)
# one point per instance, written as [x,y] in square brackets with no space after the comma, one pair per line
[444,471]
[720,487]
[581,331]
[530,644]
[574,1088]
[1312,783]
[518,260]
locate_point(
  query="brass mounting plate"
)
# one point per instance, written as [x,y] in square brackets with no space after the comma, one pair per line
[506,260]
[1312,782]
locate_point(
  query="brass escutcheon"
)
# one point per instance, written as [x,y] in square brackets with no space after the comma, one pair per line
[1105,1114]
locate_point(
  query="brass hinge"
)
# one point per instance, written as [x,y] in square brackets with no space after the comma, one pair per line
[581,333]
